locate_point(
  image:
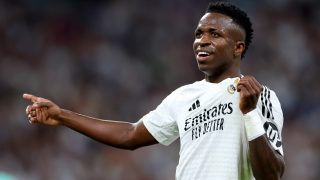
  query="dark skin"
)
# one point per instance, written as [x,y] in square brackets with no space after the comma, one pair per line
[223,41]
[218,45]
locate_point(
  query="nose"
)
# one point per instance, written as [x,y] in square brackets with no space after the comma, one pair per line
[203,41]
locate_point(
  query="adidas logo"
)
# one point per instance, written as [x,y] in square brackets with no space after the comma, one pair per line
[195,105]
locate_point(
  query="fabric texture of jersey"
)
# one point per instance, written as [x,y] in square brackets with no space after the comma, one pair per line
[207,118]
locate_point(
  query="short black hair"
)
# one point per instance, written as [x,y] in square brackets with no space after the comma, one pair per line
[238,16]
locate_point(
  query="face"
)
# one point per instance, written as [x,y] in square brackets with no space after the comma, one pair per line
[217,42]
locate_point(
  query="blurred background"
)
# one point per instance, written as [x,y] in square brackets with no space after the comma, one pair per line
[119,59]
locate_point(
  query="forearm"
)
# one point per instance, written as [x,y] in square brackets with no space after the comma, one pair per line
[266,162]
[113,133]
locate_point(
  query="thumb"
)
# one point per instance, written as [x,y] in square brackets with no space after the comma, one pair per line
[239,87]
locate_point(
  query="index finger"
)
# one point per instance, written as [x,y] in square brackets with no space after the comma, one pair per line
[257,83]
[30,97]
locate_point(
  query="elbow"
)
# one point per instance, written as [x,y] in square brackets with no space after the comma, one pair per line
[279,167]
[132,147]
[122,145]
[276,175]
[130,141]
[275,171]
[267,175]
[125,145]
[131,138]
[129,144]
[282,166]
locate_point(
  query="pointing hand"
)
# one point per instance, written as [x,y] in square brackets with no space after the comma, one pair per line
[42,110]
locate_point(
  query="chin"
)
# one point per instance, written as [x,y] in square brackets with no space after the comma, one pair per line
[212,71]
[205,68]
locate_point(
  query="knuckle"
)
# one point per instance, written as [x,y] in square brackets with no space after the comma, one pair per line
[248,77]
[244,78]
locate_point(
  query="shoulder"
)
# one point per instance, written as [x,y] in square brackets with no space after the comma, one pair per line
[179,94]
[268,97]
[271,112]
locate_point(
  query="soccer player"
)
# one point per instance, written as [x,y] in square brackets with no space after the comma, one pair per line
[229,124]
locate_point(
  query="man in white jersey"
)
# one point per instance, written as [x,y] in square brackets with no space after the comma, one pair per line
[228,124]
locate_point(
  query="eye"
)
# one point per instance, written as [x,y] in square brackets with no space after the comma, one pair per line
[198,34]
[215,34]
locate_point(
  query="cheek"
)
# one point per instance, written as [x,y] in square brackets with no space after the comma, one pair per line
[226,49]
[194,45]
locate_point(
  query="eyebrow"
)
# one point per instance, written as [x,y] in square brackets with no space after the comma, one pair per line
[209,29]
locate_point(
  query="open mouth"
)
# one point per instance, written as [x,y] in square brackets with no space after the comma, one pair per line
[202,56]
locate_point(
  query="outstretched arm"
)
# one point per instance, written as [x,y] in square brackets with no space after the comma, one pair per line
[266,162]
[122,135]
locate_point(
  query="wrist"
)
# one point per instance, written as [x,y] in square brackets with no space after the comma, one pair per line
[253,125]
[62,116]
[247,110]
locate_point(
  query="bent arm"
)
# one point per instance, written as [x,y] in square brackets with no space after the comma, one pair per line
[266,162]
[122,135]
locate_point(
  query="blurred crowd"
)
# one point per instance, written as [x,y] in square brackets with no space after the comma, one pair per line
[119,59]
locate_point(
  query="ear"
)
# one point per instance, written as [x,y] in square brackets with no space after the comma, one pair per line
[239,48]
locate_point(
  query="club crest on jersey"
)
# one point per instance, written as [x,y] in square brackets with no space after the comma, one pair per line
[232,87]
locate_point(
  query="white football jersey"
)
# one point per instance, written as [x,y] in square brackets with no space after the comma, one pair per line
[207,119]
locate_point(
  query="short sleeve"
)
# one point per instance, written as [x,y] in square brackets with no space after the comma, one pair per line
[272,117]
[161,124]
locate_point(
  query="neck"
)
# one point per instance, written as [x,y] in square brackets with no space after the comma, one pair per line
[217,76]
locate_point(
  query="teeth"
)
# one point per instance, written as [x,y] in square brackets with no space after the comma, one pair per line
[203,54]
